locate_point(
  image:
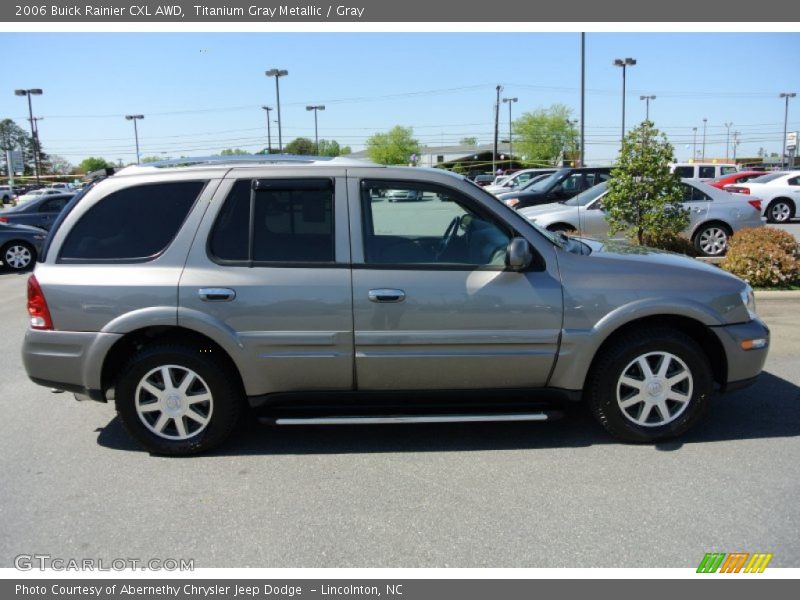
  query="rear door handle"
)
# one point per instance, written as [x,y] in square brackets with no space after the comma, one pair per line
[216,294]
[386,295]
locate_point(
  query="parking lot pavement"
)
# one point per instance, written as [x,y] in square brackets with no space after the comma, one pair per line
[502,495]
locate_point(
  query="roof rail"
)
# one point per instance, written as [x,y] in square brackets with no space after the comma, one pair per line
[245,159]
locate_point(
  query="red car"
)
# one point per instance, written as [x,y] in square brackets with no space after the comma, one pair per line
[734,178]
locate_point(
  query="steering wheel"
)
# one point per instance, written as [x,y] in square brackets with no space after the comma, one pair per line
[449,235]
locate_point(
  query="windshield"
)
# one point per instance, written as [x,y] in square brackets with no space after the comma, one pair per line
[588,196]
[768,177]
[530,183]
[545,184]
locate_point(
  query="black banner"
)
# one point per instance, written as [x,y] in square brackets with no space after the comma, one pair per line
[374,11]
[732,587]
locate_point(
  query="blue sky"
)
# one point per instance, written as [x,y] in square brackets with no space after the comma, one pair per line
[202,92]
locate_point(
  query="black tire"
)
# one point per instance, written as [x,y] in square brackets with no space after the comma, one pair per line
[605,383]
[780,210]
[711,239]
[18,244]
[225,406]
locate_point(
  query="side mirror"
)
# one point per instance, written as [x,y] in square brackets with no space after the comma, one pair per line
[518,255]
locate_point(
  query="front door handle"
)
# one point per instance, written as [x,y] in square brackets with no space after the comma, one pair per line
[386,295]
[216,294]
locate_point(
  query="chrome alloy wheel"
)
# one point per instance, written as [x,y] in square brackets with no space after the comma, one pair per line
[780,212]
[713,241]
[17,257]
[654,389]
[174,402]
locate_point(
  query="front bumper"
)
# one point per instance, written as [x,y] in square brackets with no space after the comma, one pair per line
[67,360]
[743,365]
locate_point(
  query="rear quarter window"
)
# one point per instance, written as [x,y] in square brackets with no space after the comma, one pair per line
[133,224]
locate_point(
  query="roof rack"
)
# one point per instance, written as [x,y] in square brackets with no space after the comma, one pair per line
[247,159]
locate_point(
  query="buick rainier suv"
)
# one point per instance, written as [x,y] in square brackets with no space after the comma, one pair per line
[191,294]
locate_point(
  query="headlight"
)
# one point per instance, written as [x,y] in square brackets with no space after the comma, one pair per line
[512,202]
[749,301]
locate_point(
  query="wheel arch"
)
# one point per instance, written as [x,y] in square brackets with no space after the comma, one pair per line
[133,341]
[698,331]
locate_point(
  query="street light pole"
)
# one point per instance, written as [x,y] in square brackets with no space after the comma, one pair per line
[647,110]
[786,95]
[624,63]
[694,144]
[316,108]
[496,129]
[277,74]
[269,134]
[510,137]
[34,130]
[135,118]
[705,121]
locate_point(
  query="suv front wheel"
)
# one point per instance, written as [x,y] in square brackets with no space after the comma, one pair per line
[174,400]
[649,385]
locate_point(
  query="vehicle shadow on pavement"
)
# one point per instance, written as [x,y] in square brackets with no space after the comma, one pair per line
[770,408]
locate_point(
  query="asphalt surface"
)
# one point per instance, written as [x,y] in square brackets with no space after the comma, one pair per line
[73,485]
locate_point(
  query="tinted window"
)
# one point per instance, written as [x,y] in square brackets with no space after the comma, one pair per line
[292,222]
[134,223]
[692,194]
[794,181]
[53,205]
[684,171]
[707,172]
[727,170]
[429,225]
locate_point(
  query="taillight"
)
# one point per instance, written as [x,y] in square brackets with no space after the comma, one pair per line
[3,219]
[738,190]
[755,204]
[37,306]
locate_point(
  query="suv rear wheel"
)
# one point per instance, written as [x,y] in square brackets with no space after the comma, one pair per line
[649,385]
[174,400]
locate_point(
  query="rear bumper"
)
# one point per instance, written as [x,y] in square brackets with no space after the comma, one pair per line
[67,360]
[743,365]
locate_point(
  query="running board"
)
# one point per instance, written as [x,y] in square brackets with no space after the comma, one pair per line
[399,419]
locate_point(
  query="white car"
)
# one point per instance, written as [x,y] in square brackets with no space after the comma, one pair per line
[33,194]
[516,180]
[713,215]
[779,192]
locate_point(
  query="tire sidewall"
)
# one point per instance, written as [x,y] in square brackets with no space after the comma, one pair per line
[772,206]
[226,400]
[605,403]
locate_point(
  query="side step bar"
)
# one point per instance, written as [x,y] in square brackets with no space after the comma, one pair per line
[399,419]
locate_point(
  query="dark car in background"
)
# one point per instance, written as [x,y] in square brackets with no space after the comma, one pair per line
[39,212]
[20,245]
[559,186]
[484,180]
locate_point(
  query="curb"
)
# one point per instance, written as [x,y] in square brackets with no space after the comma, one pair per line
[777,294]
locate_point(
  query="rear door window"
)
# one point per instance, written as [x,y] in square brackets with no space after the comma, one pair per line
[275,221]
[708,172]
[684,172]
[132,224]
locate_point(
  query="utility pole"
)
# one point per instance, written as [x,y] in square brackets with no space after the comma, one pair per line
[583,93]
[704,138]
[694,144]
[786,95]
[267,109]
[496,128]
[728,140]
[735,144]
[510,138]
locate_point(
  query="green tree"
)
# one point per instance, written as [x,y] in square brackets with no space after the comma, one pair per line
[544,134]
[644,199]
[469,141]
[13,137]
[151,159]
[60,165]
[332,148]
[232,152]
[394,147]
[90,164]
[300,146]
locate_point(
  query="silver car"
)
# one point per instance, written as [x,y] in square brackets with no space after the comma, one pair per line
[714,215]
[180,292]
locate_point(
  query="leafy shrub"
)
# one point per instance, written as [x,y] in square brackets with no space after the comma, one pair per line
[764,257]
[670,242]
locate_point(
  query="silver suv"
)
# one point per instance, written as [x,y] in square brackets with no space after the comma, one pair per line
[181,292]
